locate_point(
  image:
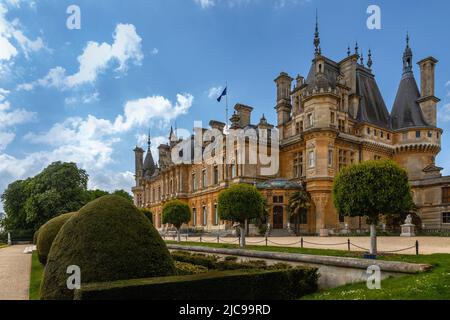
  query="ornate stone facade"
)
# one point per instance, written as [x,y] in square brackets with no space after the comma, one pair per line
[332,118]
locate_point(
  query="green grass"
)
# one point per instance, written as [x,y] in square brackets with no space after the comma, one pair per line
[3,246]
[37,272]
[432,285]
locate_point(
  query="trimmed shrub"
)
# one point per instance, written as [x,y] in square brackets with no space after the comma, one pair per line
[185,269]
[35,236]
[110,240]
[47,234]
[195,258]
[230,285]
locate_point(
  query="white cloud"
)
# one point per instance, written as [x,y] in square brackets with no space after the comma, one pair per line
[9,118]
[215,92]
[84,99]
[95,59]
[206,4]
[447,84]
[444,113]
[155,51]
[12,37]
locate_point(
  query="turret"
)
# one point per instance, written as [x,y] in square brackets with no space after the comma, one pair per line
[138,163]
[284,105]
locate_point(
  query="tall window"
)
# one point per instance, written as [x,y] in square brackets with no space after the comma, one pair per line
[446,195]
[342,125]
[194,216]
[343,159]
[330,158]
[205,216]
[216,215]
[278,199]
[312,159]
[297,128]
[216,175]
[205,183]
[298,165]
[194,182]
[310,120]
[352,157]
[332,116]
[233,171]
[446,217]
[418,134]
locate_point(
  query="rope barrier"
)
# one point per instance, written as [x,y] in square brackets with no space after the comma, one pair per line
[325,244]
[284,244]
[258,242]
[233,241]
[400,250]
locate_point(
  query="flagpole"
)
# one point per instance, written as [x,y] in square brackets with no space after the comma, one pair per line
[226,107]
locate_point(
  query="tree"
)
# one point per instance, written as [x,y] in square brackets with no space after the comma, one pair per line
[298,203]
[123,194]
[371,189]
[148,214]
[176,213]
[92,195]
[241,203]
[58,189]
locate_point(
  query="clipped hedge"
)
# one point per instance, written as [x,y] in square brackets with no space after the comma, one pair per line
[47,234]
[229,263]
[109,240]
[35,236]
[184,269]
[230,285]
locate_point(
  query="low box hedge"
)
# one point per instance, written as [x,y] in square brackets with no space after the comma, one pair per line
[229,285]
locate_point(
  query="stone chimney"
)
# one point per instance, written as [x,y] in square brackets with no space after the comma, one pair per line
[217,125]
[428,101]
[138,163]
[245,114]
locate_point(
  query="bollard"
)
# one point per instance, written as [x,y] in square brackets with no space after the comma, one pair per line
[417,247]
[200,238]
[218,238]
[302,242]
[349,245]
[266,241]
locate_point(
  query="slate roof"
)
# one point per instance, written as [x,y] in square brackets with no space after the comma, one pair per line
[372,108]
[149,164]
[406,112]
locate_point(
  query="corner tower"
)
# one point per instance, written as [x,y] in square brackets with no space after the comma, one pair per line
[417,139]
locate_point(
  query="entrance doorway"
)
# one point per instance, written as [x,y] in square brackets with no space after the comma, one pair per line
[278,222]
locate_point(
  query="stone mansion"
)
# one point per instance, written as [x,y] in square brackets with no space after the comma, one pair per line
[334,117]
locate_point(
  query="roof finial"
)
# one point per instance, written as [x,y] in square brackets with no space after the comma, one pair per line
[357,49]
[348,51]
[362,59]
[318,50]
[370,62]
[407,57]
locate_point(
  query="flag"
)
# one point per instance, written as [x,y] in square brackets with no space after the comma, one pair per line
[224,93]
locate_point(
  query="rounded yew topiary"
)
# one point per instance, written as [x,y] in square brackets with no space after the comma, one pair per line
[47,234]
[109,240]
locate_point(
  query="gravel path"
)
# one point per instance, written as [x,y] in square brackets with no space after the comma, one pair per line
[427,245]
[15,267]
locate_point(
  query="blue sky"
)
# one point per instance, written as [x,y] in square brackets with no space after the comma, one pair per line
[90,95]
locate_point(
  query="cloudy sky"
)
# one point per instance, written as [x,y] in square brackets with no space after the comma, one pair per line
[91,95]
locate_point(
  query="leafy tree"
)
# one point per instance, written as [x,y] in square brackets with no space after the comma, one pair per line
[92,195]
[123,194]
[58,189]
[148,214]
[176,213]
[298,203]
[371,189]
[241,203]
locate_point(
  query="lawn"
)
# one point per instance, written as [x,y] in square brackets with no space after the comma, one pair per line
[432,285]
[37,271]
[3,246]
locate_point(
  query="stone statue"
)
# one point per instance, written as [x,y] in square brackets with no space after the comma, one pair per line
[408,219]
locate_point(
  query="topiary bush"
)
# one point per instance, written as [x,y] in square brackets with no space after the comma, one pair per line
[109,240]
[35,236]
[148,214]
[47,234]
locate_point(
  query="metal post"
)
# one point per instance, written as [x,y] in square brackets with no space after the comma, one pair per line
[417,247]
[266,240]
[302,242]
[200,238]
[349,244]
[218,238]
